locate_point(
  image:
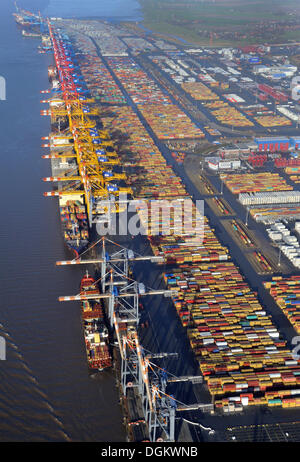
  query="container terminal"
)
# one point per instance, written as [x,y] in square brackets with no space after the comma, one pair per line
[27,19]
[114,131]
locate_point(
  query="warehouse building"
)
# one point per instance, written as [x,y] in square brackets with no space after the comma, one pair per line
[275,197]
[272,143]
[216,164]
[286,70]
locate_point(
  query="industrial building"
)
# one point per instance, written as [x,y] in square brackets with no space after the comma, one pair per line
[275,197]
[286,70]
[277,143]
[234,150]
[215,163]
[273,143]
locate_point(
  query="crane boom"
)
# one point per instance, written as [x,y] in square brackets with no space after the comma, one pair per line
[71,298]
[79,261]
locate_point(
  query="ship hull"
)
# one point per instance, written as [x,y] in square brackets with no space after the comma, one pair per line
[75,226]
[25,22]
[95,330]
[77,247]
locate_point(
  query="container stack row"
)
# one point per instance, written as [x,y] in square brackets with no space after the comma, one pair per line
[96,75]
[200,246]
[275,197]
[273,121]
[228,115]
[141,88]
[152,178]
[199,91]
[167,122]
[165,119]
[286,293]
[240,352]
[255,182]
[270,215]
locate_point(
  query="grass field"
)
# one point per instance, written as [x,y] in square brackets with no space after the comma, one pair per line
[245,21]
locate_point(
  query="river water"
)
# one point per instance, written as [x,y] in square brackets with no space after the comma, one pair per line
[46,393]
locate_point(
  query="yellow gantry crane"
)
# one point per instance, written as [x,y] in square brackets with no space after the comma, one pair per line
[94,163]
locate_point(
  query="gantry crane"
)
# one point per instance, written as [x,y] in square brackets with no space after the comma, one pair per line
[115,273]
[138,366]
[121,257]
[91,165]
[94,168]
[139,371]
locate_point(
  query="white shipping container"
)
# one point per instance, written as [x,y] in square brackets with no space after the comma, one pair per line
[245,400]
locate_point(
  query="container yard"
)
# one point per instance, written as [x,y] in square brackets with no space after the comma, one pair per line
[179,250]
[96,75]
[182,145]
[273,144]
[141,88]
[118,115]
[263,261]
[289,163]
[268,121]
[191,313]
[285,292]
[206,186]
[231,116]
[167,121]
[277,95]
[269,215]
[240,353]
[292,170]
[138,44]
[254,183]
[148,180]
[199,91]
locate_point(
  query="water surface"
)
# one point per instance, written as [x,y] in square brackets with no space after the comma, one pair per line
[46,393]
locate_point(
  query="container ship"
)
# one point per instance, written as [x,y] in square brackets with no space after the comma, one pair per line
[95,329]
[75,225]
[27,20]
[53,78]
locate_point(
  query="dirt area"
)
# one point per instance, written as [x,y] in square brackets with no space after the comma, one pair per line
[193,170]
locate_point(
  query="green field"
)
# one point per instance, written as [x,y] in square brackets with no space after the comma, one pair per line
[230,21]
